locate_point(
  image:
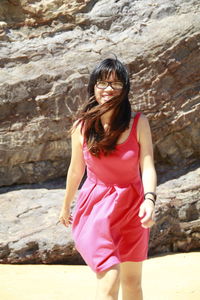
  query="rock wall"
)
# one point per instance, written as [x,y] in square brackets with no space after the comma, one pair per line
[47,50]
[29,232]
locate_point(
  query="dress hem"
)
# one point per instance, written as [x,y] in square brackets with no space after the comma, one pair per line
[121,261]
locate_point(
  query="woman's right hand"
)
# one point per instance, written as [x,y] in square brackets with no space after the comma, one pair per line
[65,217]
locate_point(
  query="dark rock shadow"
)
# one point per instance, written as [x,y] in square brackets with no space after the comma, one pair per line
[169,172]
[13,13]
[58,183]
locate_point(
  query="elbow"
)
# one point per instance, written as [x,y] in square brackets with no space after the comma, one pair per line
[150,168]
[149,172]
[76,173]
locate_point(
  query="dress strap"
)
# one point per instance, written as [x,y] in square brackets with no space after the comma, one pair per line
[136,119]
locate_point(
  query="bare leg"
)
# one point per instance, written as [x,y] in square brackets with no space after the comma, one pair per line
[108,284]
[130,277]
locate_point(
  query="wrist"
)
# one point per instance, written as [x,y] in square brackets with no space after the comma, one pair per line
[151,200]
[66,206]
[150,195]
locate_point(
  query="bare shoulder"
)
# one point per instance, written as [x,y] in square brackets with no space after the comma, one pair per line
[143,128]
[143,121]
[76,127]
[76,132]
[143,118]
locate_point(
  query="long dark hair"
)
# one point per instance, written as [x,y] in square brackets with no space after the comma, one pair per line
[99,141]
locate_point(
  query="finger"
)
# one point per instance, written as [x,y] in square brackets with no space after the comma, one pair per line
[63,221]
[141,211]
[148,224]
[70,220]
[146,218]
[66,224]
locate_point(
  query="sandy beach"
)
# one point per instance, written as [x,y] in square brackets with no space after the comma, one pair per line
[169,277]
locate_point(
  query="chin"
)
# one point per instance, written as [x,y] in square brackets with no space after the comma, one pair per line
[106,99]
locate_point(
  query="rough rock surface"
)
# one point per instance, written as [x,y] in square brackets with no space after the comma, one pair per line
[29,233]
[48,48]
[177,215]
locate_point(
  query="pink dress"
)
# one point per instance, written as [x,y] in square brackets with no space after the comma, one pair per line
[106,228]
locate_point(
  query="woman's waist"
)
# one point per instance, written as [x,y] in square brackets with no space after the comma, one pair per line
[113,181]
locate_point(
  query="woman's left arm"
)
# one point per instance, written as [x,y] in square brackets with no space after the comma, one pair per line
[149,178]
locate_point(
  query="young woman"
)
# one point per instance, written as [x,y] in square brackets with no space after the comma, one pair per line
[115,206]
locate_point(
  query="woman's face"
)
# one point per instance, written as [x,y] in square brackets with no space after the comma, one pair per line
[107,88]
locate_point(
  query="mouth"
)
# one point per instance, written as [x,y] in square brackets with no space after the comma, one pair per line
[107,96]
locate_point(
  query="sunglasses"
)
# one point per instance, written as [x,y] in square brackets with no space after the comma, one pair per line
[115,85]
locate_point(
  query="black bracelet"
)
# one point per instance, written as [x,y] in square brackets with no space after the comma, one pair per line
[151,193]
[154,201]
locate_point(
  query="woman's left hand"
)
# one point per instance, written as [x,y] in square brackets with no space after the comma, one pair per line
[146,212]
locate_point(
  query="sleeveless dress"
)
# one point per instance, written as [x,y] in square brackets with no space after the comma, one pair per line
[106,228]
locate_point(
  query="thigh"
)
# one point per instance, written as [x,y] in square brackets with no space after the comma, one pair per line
[131,273]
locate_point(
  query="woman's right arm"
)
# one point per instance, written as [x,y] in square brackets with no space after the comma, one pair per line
[74,175]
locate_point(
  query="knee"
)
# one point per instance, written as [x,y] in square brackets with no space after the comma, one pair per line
[111,293]
[131,282]
[109,287]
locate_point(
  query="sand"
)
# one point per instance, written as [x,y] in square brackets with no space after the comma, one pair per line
[169,277]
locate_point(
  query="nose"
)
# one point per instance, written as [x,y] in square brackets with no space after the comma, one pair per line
[109,88]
